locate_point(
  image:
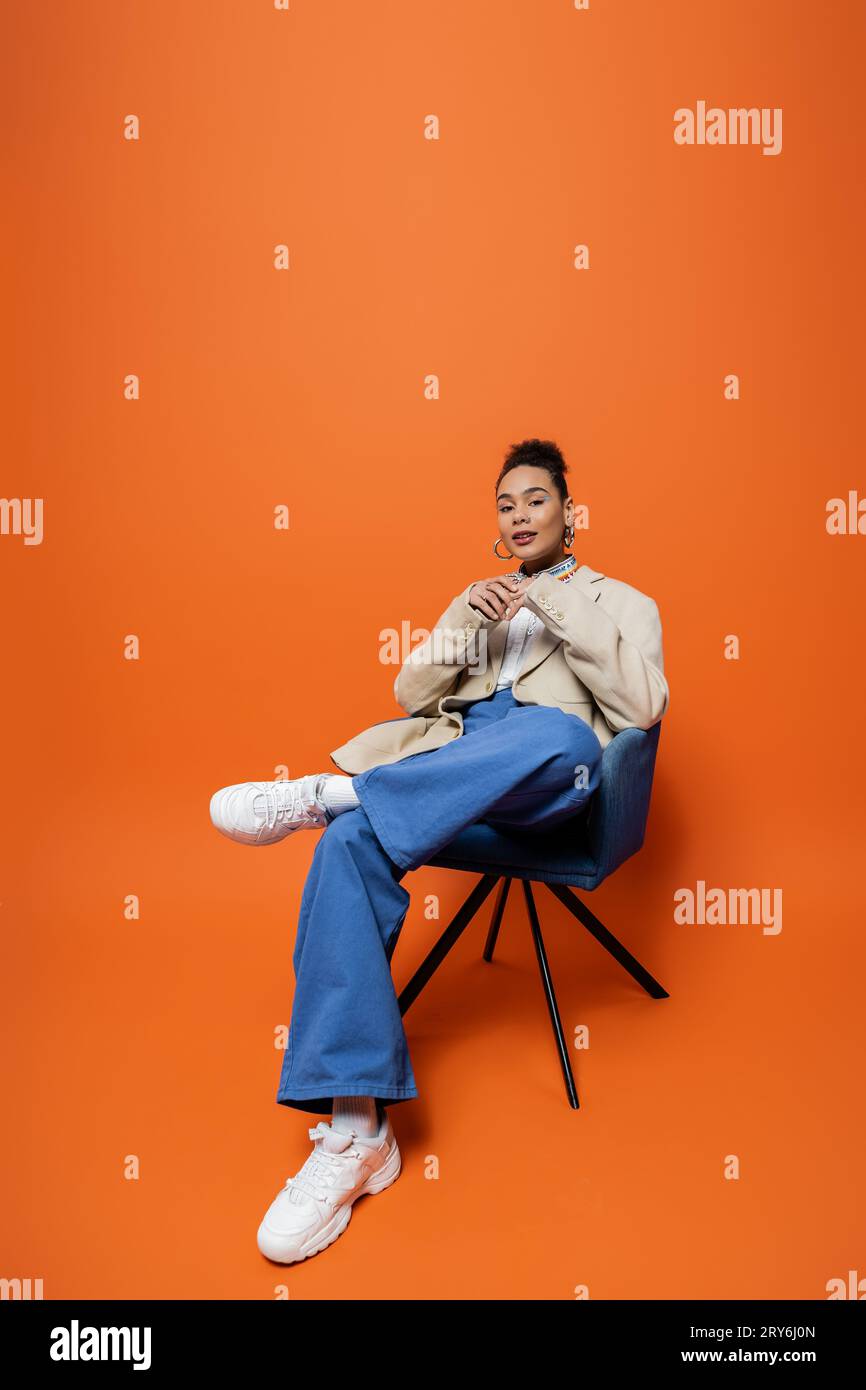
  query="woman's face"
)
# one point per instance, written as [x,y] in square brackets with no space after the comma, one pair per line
[532,515]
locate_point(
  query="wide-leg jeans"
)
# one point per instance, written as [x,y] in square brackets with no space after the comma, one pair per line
[519,766]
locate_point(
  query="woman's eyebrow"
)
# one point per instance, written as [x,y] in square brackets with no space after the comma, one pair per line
[503,495]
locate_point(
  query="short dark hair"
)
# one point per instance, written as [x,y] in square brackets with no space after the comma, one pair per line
[537,453]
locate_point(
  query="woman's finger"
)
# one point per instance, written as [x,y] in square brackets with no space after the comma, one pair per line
[482,602]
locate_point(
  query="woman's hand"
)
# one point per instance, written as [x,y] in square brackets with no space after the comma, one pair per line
[498,598]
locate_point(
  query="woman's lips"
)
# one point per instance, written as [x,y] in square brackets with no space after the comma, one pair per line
[523,537]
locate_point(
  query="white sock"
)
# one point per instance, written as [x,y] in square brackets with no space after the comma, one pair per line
[360,1113]
[336,793]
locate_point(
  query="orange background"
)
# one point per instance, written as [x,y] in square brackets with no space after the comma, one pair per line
[261,647]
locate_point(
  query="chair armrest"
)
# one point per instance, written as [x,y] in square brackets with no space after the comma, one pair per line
[617,813]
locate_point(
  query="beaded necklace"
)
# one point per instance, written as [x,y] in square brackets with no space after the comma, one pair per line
[561,570]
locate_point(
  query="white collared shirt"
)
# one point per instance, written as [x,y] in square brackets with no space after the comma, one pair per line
[523,632]
[525,627]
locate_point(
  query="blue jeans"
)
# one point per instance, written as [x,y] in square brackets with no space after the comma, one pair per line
[514,765]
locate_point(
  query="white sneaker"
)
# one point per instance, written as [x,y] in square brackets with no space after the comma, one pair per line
[315,1206]
[260,813]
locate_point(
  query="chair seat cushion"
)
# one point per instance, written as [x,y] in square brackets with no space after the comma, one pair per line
[559,854]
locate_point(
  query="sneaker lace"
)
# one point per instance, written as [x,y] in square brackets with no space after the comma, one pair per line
[319,1172]
[282,799]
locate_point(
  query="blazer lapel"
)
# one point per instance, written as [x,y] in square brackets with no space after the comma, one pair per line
[496,638]
[584,576]
[587,580]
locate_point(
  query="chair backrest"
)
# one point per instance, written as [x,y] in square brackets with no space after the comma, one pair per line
[618,811]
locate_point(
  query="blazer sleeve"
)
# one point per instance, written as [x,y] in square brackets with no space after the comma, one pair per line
[621,662]
[433,668]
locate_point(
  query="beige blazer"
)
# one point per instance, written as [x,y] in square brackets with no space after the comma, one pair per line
[599,656]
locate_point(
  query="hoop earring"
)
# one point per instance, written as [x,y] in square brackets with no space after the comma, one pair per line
[496,552]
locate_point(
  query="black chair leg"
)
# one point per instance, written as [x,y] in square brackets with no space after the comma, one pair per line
[482,890]
[496,920]
[608,941]
[550,996]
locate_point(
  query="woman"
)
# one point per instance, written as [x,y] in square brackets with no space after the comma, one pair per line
[509,704]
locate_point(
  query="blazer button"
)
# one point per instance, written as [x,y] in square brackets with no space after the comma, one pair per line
[489,685]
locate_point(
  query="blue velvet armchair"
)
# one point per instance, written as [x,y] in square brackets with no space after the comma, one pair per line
[579,853]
